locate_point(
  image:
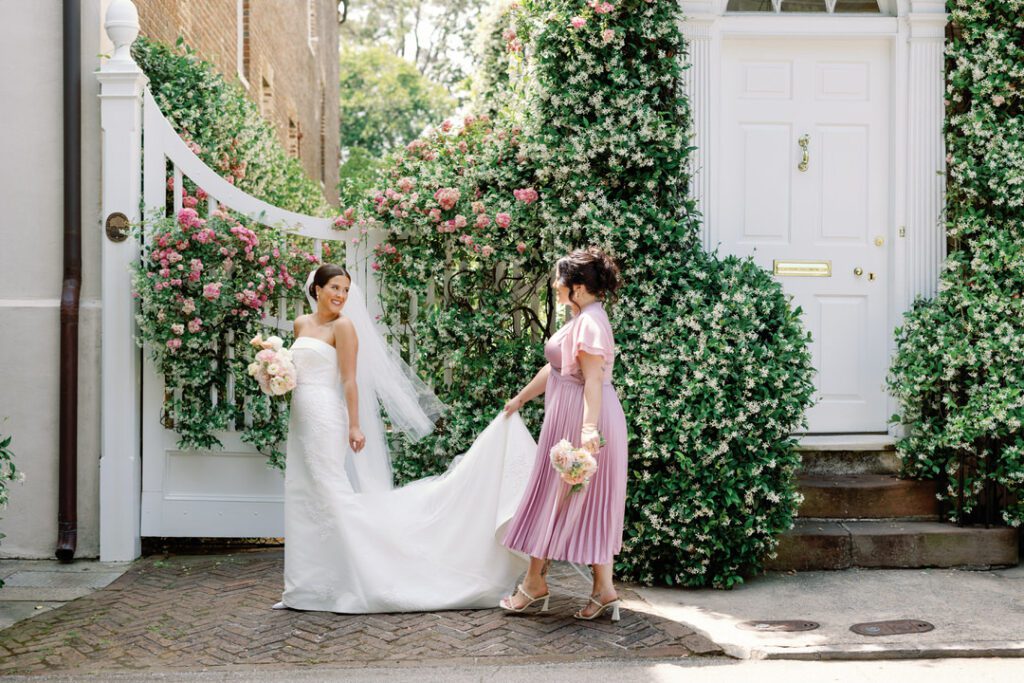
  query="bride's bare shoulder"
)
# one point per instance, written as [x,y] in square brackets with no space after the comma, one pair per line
[343,326]
[300,323]
[344,332]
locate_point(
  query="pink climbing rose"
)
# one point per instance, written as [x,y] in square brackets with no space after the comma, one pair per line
[527,195]
[503,220]
[447,197]
[578,22]
[211,291]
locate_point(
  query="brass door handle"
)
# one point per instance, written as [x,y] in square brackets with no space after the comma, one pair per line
[858,271]
[804,141]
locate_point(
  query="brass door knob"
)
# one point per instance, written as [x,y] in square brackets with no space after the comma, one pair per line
[858,271]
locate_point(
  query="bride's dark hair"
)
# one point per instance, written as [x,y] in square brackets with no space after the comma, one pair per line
[325,274]
[592,268]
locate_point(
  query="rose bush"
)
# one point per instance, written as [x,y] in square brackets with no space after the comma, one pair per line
[204,285]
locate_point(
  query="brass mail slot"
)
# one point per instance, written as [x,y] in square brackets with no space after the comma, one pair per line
[803,268]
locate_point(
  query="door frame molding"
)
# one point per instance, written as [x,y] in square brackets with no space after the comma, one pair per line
[916,32]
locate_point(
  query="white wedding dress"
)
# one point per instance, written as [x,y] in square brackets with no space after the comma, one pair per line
[431,545]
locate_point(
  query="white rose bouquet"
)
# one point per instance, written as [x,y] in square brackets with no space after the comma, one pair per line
[273,367]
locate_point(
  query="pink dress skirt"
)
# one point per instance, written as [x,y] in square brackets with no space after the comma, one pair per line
[551,522]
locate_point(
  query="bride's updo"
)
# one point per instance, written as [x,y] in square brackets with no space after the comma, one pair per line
[325,274]
[592,268]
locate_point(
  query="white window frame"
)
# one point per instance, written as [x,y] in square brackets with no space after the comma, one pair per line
[240,42]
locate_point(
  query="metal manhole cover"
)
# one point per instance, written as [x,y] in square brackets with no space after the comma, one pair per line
[778,626]
[892,628]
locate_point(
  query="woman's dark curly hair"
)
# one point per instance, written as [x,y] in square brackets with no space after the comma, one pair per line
[592,268]
[325,274]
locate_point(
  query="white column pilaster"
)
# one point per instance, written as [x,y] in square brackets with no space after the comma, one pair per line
[925,240]
[121,88]
[700,81]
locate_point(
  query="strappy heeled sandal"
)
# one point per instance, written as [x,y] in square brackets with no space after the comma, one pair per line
[506,603]
[613,605]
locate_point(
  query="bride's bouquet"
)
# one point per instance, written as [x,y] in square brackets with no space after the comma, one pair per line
[575,465]
[273,367]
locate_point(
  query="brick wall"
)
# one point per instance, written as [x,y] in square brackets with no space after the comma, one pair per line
[294,80]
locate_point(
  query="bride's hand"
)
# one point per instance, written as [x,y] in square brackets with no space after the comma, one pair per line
[356,439]
[512,406]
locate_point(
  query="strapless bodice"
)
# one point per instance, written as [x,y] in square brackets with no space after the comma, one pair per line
[316,362]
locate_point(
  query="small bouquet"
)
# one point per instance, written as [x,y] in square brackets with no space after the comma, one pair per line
[575,465]
[273,367]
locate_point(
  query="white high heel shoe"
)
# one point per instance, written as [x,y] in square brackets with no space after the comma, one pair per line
[613,605]
[506,603]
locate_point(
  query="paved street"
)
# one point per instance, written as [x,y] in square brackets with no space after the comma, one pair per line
[194,612]
[688,670]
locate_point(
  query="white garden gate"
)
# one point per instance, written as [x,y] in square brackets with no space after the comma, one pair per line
[148,487]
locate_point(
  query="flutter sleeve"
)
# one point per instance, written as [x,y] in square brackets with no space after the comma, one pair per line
[588,334]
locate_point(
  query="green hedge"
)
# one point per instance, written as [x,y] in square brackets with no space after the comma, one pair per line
[957,372]
[231,136]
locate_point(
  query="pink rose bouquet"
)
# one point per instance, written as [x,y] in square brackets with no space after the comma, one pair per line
[273,367]
[575,465]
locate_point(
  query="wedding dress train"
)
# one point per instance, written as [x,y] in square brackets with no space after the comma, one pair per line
[431,545]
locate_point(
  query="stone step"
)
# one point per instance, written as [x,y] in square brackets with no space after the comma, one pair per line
[848,454]
[849,462]
[818,544]
[866,496]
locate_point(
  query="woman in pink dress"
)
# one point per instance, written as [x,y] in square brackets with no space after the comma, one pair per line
[581,406]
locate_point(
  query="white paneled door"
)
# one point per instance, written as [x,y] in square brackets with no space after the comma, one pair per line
[804,188]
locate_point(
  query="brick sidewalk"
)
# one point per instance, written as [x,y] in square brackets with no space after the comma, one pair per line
[200,611]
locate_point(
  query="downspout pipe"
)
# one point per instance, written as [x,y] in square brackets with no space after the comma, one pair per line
[71,288]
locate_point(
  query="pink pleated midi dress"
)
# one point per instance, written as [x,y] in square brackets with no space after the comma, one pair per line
[551,522]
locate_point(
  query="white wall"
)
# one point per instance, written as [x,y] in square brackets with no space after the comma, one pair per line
[31,257]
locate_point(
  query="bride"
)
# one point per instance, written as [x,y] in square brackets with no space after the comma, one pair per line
[352,543]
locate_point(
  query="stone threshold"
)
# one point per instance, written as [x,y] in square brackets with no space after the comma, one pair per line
[846,442]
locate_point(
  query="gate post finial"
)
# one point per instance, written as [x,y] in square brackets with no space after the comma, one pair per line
[122,25]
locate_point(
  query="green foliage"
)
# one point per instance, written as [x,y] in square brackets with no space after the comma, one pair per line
[499,53]
[226,125]
[384,103]
[434,35]
[358,176]
[957,371]
[714,371]
[8,472]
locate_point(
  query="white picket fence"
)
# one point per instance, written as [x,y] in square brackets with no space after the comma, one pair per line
[148,487]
